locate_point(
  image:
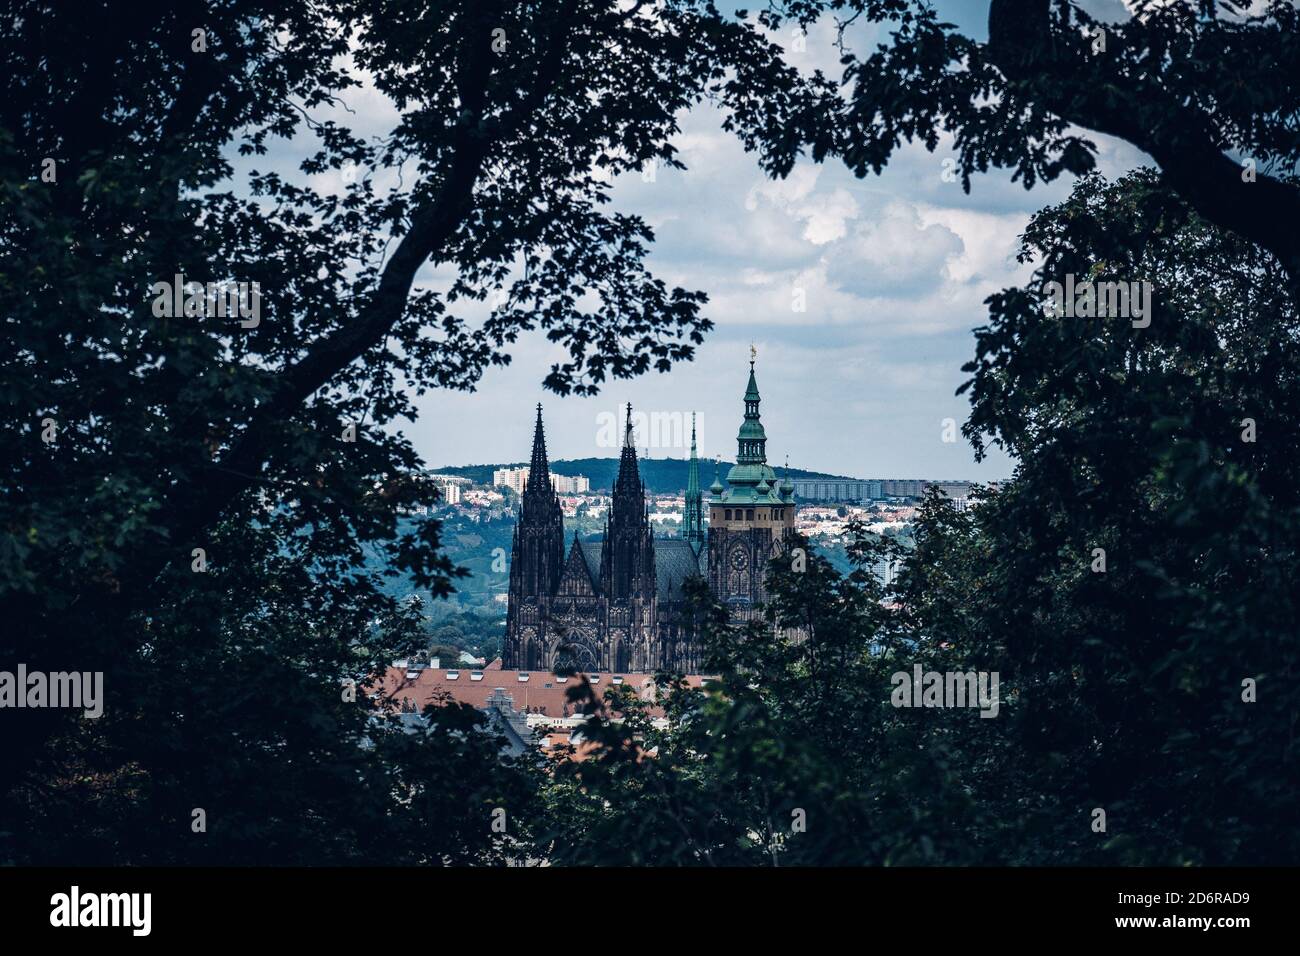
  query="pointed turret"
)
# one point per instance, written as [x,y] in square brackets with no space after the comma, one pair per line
[752,479]
[693,520]
[787,486]
[627,554]
[629,478]
[716,488]
[751,438]
[539,470]
[538,548]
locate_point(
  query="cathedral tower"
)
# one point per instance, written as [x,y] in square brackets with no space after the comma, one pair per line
[749,519]
[627,564]
[536,561]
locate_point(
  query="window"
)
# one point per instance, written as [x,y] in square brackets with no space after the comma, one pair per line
[749,514]
[523,678]
[728,514]
[476,675]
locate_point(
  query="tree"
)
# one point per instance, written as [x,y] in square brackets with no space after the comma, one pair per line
[195,523]
[1205,87]
[1136,571]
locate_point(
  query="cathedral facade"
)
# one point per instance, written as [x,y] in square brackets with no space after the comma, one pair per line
[616,603]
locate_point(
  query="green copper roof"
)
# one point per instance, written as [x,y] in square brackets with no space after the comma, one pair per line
[750,475]
[716,488]
[751,479]
[751,440]
[693,520]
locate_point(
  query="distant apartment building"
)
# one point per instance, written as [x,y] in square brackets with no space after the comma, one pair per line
[570,484]
[512,478]
[450,486]
[839,489]
[886,570]
[873,489]
[516,478]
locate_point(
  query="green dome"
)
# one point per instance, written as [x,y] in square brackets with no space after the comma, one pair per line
[750,474]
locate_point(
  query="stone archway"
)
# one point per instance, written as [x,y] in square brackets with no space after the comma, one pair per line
[571,656]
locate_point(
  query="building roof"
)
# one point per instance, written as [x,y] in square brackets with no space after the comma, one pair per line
[675,560]
[591,554]
[541,692]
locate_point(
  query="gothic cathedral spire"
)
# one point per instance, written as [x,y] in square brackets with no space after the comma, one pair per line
[629,477]
[693,520]
[537,552]
[627,554]
[539,470]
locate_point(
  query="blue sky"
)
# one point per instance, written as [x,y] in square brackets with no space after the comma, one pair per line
[894,269]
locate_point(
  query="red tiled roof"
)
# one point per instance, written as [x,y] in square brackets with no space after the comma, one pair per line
[542,692]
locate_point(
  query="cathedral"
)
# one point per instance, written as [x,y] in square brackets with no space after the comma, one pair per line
[616,604]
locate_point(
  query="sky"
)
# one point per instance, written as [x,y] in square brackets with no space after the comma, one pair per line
[893,269]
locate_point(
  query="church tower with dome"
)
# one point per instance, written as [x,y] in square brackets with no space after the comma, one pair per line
[750,518]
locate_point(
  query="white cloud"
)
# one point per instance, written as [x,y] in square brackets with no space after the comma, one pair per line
[824,214]
[988,241]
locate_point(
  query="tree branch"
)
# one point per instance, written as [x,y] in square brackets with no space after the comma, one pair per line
[191,508]
[1058,72]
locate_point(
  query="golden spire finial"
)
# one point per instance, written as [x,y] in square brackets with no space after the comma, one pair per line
[753,353]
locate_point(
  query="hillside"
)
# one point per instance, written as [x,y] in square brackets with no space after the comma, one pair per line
[661,475]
